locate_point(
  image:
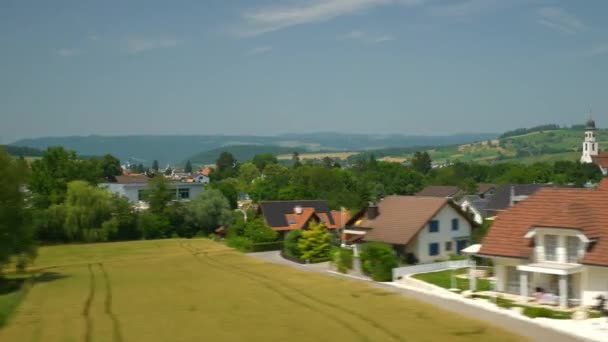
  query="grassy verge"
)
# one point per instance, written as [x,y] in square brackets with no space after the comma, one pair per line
[12,291]
[444,279]
[531,311]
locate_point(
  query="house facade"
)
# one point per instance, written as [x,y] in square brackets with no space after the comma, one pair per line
[421,229]
[134,188]
[555,242]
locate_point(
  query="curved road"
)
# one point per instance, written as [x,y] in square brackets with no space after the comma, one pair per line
[527,329]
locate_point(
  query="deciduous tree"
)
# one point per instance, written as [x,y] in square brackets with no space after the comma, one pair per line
[314,242]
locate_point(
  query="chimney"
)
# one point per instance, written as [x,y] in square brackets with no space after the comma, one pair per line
[298,210]
[512,196]
[372,211]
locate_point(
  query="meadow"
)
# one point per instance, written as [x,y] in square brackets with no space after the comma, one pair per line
[199,290]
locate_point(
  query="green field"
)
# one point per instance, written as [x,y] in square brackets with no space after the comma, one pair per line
[199,290]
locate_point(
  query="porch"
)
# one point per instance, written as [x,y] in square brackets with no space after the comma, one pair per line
[554,284]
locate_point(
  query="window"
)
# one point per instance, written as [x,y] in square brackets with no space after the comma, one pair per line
[292,220]
[592,147]
[183,193]
[433,249]
[572,244]
[455,224]
[448,246]
[550,247]
[434,226]
[460,245]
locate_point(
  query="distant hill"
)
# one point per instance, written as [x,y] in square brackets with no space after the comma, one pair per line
[241,152]
[21,151]
[177,148]
[535,144]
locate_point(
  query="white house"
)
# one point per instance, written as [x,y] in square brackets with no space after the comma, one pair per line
[134,188]
[421,229]
[556,243]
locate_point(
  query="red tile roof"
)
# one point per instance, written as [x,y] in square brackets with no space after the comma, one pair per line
[439,191]
[603,186]
[601,160]
[580,209]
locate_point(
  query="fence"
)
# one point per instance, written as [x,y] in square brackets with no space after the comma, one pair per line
[437,266]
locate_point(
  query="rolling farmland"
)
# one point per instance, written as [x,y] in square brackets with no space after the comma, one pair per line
[199,290]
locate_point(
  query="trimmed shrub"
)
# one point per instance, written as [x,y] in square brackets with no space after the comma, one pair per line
[290,246]
[343,258]
[267,246]
[378,260]
[534,312]
[243,244]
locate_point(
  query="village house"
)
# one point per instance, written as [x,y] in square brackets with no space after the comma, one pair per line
[554,244]
[284,216]
[421,229]
[134,187]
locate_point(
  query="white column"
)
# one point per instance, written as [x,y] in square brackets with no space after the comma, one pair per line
[472,278]
[563,291]
[523,285]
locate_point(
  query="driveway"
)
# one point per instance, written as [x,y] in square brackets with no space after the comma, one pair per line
[524,328]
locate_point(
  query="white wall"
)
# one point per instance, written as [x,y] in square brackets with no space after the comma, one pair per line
[130,191]
[500,271]
[445,234]
[465,205]
[594,283]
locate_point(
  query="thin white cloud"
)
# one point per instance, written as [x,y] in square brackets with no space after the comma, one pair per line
[270,19]
[559,19]
[67,52]
[138,44]
[259,50]
[465,8]
[365,37]
[597,50]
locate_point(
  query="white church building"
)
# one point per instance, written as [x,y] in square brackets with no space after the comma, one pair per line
[591,149]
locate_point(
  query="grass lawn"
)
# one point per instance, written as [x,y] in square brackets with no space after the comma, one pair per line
[444,279]
[199,290]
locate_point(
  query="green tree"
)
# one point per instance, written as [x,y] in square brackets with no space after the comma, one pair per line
[168,171]
[87,207]
[226,167]
[229,188]
[327,162]
[158,194]
[152,225]
[295,158]
[155,165]
[188,167]
[263,160]
[208,211]
[110,166]
[290,245]
[248,173]
[421,162]
[378,260]
[315,242]
[16,230]
[258,231]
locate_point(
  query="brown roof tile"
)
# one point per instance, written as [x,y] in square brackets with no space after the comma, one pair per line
[400,218]
[580,209]
[603,186]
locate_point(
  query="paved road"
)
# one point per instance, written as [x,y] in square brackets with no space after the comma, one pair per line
[527,329]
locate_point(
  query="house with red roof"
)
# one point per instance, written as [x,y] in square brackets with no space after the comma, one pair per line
[284,216]
[554,244]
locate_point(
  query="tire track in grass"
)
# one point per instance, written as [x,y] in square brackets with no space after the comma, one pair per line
[320,301]
[345,324]
[116,330]
[87,306]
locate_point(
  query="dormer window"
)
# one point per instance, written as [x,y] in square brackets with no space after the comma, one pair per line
[572,245]
[551,247]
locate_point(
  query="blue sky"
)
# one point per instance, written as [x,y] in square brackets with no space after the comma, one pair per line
[269,67]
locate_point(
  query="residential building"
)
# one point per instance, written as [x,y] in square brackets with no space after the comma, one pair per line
[134,188]
[591,149]
[555,241]
[475,206]
[283,216]
[446,191]
[508,195]
[421,229]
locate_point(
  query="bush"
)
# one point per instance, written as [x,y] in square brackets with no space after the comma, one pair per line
[290,246]
[243,244]
[454,257]
[259,232]
[534,312]
[343,258]
[267,246]
[378,260]
[315,242]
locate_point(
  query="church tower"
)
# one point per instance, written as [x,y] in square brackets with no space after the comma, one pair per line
[590,146]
